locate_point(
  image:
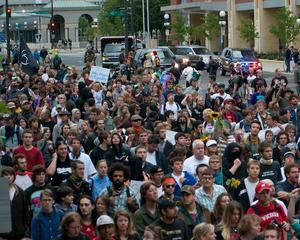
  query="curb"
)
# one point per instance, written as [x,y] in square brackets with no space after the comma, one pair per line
[272,61]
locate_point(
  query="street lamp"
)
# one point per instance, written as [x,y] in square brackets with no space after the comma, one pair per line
[222,23]
[167,25]
[95,25]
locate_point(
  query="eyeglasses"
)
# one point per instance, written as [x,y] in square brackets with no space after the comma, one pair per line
[170,186]
[214,162]
[137,120]
[207,178]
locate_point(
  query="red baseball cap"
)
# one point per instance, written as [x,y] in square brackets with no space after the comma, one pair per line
[262,186]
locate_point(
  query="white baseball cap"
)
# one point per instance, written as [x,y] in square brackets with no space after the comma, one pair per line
[104,220]
[211,142]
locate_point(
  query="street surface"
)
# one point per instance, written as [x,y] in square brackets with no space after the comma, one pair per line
[75,57]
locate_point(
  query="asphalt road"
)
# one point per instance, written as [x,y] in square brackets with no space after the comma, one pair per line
[75,57]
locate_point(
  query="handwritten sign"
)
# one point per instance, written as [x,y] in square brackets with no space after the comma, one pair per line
[99,74]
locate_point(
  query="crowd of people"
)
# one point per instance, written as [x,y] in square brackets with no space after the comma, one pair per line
[147,157]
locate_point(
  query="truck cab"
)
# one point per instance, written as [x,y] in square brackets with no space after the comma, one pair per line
[111,47]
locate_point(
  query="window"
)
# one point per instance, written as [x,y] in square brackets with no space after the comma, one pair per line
[200,51]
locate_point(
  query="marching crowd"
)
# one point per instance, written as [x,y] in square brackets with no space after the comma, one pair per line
[145,157]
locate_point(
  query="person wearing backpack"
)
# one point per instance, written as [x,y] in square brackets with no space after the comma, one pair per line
[56,61]
[268,209]
[120,196]
[10,133]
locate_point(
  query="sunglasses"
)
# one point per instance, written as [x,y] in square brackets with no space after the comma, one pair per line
[137,120]
[169,186]
[214,162]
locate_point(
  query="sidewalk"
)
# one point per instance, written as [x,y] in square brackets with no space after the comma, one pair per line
[271,65]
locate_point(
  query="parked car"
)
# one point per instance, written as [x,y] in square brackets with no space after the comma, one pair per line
[165,55]
[192,53]
[246,57]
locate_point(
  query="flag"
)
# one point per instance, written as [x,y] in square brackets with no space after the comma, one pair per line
[28,62]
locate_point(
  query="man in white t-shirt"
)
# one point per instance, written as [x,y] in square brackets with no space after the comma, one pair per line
[89,168]
[171,105]
[245,192]
[221,93]
[23,177]
[191,163]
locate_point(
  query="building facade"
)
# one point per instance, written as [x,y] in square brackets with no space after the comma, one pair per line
[31,19]
[262,12]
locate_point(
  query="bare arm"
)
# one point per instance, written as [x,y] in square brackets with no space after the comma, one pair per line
[52,167]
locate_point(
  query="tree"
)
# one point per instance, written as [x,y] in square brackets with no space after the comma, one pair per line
[83,26]
[110,19]
[114,25]
[286,29]
[248,31]
[209,28]
[179,27]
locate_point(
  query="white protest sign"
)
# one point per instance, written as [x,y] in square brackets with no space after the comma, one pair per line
[99,74]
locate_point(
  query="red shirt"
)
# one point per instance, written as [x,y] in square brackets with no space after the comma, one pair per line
[88,230]
[269,214]
[33,156]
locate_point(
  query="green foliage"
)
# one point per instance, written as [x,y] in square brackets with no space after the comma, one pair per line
[156,16]
[286,28]
[110,25]
[83,26]
[179,27]
[3,108]
[209,28]
[114,25]
[247,31]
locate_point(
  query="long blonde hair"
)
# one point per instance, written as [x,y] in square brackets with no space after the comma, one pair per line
[226,222]
[201,230]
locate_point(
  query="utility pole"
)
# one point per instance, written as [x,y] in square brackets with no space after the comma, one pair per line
[7,17]
[51,24]
[148,24]
[126,26]
[132,18]
[144,25]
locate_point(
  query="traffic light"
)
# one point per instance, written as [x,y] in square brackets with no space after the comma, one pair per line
[8,12]
[52,25]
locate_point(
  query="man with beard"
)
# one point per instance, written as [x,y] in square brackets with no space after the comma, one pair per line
[76,181]
[23,178]
[175,228]
[120,196]
[252,141]
[86,207]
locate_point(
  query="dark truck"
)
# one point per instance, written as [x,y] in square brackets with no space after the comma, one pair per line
[111,48]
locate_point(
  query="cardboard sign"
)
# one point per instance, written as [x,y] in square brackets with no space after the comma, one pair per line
[5,216]
[99,74]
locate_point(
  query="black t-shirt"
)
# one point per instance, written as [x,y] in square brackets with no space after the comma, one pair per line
[175,231]
[97,154]
[62,172]
[271,172]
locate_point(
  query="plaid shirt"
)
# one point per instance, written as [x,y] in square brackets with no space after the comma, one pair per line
[120,202]
[206,201]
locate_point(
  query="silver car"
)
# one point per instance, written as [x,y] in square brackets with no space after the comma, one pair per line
[192,53]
